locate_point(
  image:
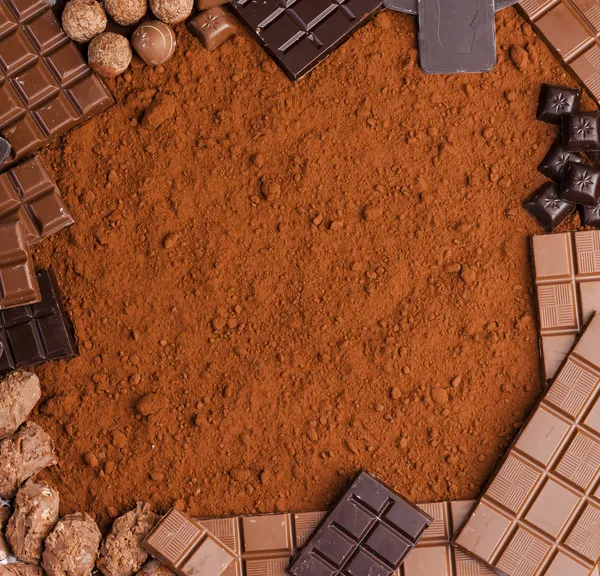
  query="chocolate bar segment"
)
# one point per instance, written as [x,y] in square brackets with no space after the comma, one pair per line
[547,208]
[590,216]
[411,6]
[567,279]
[555,162]
[46,87]
[298,34]
[556,101]
[540,514]
[28,194]
[4,151]
[31,335]
[581,184]
[186,547]
[369,531]
[580,132]
[18,285]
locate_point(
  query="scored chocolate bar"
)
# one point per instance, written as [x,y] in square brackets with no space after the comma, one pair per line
[46,87]
[540,513]
[370,530]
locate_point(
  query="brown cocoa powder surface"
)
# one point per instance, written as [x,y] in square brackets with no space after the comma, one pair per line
[274,284]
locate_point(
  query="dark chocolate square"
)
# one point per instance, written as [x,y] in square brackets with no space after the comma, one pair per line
[580,132]
[554,163]
[590,216]
[581,184]
[547,208]
[556,101]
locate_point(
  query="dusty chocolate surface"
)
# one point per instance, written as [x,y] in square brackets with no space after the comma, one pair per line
[20,569]
[19,393]
[5,513]
[275,284]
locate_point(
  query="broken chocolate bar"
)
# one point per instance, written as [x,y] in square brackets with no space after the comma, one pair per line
[556,101]
[370,530]
[540,514]
[212,27]
[186,547]
[580,132]
[38,333]
[28,194]
[554,163]
[581,184]
[547,208]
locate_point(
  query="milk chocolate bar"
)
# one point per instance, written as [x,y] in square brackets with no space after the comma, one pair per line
[46,87]
[540,514]
[370,530]
[28,194]
[567,279]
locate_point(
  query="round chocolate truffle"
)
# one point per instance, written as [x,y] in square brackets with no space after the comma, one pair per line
[172,11]
[126,12]
[83,20]
[109,54]
[154,42]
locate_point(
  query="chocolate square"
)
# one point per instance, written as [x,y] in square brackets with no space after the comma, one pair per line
[212,27]
[556,101]
[580,132]
[581,184]
[590,216]
[547,208]
[554,163]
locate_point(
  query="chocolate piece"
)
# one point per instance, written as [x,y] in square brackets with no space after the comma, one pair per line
[580,132]
[206,4]
[27,193]
[556,101]
[212,27]
[46,87]
[121,553]
[590,216]
[554,163]
[23,455]
[4,151]
[36,513]
[154,568]
[547,208]
[369,531]
[19,393]
[5,514]
[72,546]
[35,334]
[154,42]
[18,285]
[540,513]
[567,279]
[410,6]
[20,569]
[457,36]
[581,184]
[299,35]
[186,547]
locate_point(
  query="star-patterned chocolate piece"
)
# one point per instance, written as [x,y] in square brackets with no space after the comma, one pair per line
[212,27]
[547,208]
[554,163]
[590,216]
[580,132]
[556,101]
[581,184]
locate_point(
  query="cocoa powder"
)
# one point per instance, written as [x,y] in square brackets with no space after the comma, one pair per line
[304,278]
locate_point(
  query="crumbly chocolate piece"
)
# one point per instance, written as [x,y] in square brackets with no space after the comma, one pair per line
[547,208]
[212,27]
[19,393]
[109,54]
[172,11]
[126,12]
[83,20]
[20,569]
[555,162]
[35,515]
[154,568]
[4,516]
[581,184]
[580,132]
[556,101]
[121,553]
[72,547]
[23,455]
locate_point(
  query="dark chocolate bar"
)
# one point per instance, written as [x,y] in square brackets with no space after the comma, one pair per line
[31,335]
[370,530]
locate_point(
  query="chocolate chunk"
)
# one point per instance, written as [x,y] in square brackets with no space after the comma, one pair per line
[35,515]
[154,568]
[121,553]
[539,513]
[554,163]
[23,455]
[369,531]
[28,194]
[20,569]
[35,334]
[4,151]
[590,215]
[18,285]
[5,514]
[72,547]
[457,36]
[556,101]
[299,35]
[580,132]
[581,184]
[547,208]
[212,27]
[47,86]
[411,6]
[19,393]
[186,547]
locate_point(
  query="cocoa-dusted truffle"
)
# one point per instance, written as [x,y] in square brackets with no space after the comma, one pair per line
[23,455]
[172,11]
[109,54]
[36,513]
[4,516]
[82,20]
[122,553]
[72,546]
[154,568]
[126,12]
[19,393]
[20,569]
[154,42]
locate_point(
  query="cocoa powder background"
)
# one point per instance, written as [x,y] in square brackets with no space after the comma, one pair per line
[305,278]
